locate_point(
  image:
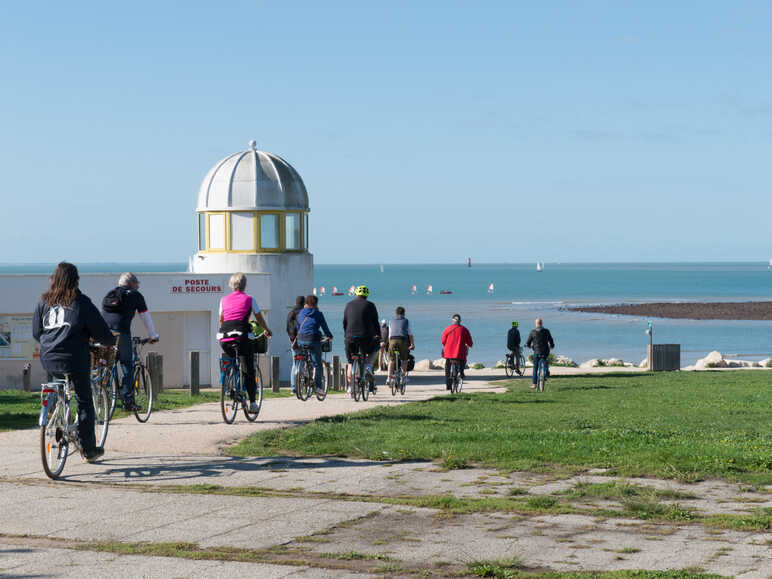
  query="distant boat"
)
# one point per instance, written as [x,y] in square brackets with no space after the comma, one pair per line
[351,290]
[445,292]
[539,265]
[322,291]
[490,288]
[429,289]
[413,289]
[335,291]
[469,262]
[314,291]
[381,268]
[770,264]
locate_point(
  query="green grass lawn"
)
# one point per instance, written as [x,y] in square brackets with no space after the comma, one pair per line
[19,409]
[684,425]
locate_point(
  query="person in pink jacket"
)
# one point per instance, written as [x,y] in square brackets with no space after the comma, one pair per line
[456,341]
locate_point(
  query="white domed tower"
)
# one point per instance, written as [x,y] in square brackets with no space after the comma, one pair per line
[253,217]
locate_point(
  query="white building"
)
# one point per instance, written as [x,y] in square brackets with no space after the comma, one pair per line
[252,216]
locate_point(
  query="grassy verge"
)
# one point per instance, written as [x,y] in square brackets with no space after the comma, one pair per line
[680,425]
[19,409]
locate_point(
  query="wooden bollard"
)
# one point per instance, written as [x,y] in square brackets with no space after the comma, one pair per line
[194,375]
[25,376]
[275,369]
[336,372]
[155,365]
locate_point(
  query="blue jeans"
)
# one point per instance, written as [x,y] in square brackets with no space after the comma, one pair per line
[293,372]
[125,354]
[316,359]
[539,359]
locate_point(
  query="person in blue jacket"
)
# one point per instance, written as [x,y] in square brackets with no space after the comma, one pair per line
[311,327]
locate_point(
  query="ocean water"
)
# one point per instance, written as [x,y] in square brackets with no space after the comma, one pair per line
[521,293]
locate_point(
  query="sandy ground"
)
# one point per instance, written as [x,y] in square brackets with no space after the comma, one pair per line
[142,493]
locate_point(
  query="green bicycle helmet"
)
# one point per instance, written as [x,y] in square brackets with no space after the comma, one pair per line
[362,290]
[515,324]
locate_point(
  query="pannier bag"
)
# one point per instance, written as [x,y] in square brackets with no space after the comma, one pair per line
[326,345]
[410,362]
[260,345]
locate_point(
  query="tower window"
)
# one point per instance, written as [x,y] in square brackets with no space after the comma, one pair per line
[242,231]
[292,231]
[216,231]
[269,231]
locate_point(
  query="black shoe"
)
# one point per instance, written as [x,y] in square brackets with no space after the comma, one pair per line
[130,406]
[93,454]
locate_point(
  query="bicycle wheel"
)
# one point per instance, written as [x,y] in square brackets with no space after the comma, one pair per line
[509,366]
[454,378]
[302,386]
[364,383]
[521,365]
[228,403]
[53,441]
[542,376]
[143,393]
[325,382]
[356,388]
[101,413]
[252,416]
[113,387]
[402,382]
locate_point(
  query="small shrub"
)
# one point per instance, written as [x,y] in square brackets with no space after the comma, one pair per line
[478,366]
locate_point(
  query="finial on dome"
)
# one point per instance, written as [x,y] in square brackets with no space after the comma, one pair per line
[253,144]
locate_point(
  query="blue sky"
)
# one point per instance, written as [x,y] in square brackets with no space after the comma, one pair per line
[424,131]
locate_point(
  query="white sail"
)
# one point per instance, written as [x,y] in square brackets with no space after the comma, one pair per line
[413,289]
[429,289]
[538,266]
[490,288]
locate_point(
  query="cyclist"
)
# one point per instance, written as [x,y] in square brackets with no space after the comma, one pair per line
[63,322]
[513,344]
[401,337]
[235,310]
[540,340]
[384,344]
[360,326]
[118,308]
[456,341]
[292,332]
[311,326]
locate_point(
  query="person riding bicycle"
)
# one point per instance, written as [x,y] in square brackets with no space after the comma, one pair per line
[361,327]
[63,322]
[384,349]
[292,332]
[401,338]
[540,340]
[118,309]
[513,344]
[235,310]
[456,340]
[311,325]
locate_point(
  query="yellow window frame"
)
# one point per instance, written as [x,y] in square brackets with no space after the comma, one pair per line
[254,233]
[279,249]
[301,223]
[226,229]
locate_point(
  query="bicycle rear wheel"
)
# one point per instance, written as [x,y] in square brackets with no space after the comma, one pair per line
[356,387]
[229,404]
[303,383]
[53,441]
[509,366]
[101,413]
[113,387]
[252,416]
[364,384]
[143,393]
[520,365]
[542,376]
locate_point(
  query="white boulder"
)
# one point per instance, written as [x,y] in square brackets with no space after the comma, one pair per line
[613,362]
[590,363]
[564,361]
[438,364]
[766,363]
[712,360]
[644,363]
[423,365]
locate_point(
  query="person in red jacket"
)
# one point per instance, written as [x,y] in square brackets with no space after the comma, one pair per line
[456,341]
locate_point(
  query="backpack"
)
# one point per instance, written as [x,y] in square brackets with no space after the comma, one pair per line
[113,302]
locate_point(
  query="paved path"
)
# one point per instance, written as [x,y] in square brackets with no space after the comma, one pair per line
[161,483]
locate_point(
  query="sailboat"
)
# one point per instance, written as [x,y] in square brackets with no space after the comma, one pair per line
[351,291]
[770,264]
[539,266]
[429,289]
[490,288]
[381,268]
[413,289]
[469,262]
[335,291]
[314,291]
[322,291]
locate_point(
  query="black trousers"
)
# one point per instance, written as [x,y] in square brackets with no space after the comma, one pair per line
[81,381]
[243,349]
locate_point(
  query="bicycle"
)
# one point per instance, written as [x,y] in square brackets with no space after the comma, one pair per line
[58,423]
[514,365]
[305,380]
[233,392]
[102,357]
[456,381]
[359,386]
[540,369]
[143,391]
[399,378]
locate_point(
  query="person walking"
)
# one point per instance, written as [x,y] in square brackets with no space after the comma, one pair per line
[292,333]
[540,340]
[311,327]
[235,310]
[63,322]
[118,309]
[456,341]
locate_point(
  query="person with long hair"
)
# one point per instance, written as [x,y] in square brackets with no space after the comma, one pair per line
[63,322]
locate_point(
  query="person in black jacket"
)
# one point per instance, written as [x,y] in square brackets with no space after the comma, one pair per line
[513,344]
[361,326]
[540,339]
[292,332]
[63,322]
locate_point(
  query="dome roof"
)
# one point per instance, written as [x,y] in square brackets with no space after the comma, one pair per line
[251,180]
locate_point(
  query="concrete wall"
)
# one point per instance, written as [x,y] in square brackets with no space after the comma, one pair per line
[180,316]
[292,274]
